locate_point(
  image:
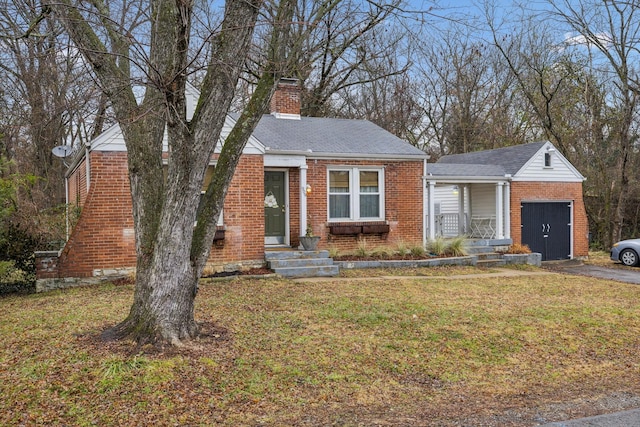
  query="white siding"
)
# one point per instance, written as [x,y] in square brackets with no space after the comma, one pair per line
[483,200]
[448,201]
[559,171]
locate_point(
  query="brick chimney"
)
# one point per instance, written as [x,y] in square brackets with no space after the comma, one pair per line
[285,103]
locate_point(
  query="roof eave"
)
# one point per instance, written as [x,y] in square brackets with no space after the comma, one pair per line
[468,179]
[330,156]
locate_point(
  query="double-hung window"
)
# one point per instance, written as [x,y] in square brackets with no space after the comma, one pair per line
[356,194]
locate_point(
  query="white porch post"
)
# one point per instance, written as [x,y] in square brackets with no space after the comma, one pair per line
[432,209]
[461,208]
[507,213]
[499,211]
[303,199]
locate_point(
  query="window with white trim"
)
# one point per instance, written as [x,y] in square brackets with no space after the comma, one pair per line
[355,194]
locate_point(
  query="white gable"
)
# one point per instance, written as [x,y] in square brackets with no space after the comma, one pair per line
[112,139]
[548,164]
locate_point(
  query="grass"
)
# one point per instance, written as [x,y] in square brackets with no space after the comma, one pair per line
[337,352]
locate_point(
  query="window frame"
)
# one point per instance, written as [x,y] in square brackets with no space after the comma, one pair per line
[355,193]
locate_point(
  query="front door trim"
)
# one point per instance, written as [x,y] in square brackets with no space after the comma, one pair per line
[287,239]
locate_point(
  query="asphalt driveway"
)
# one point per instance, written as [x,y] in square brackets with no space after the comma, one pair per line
[614,272]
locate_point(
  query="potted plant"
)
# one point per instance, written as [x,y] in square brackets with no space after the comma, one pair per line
[309,241]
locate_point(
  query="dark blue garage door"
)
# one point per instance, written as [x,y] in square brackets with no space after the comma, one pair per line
[546,228]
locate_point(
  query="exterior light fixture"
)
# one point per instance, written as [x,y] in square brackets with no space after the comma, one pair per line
[307,189]
[456,190]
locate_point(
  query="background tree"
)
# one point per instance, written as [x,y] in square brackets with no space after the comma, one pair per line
[612,29]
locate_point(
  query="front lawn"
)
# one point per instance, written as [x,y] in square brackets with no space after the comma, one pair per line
[433,351]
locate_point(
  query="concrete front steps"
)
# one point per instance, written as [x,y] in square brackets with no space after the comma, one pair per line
[486,256]
[301,263]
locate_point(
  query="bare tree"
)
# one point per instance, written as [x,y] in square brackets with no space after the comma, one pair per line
[468,97]
[612,28]
[171,252]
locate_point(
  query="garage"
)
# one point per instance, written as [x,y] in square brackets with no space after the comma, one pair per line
[546,229]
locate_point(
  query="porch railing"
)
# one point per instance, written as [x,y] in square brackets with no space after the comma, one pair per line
[446,225]
[480,227]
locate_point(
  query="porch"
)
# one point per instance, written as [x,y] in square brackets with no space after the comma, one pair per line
[477,209]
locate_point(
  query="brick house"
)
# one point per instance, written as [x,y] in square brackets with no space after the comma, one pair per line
[347,179]
[529,194]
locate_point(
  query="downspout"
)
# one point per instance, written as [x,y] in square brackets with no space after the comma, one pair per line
[87,167]
[66,207]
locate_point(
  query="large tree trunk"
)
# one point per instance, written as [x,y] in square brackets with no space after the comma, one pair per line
[171,252]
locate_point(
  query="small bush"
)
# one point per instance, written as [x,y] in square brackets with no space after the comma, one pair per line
[14,280]
[457,246]
[363,249]
[418,250]
[17,248]
[518,248]
[382,252]
[333,251]
[402,248]
[438,246]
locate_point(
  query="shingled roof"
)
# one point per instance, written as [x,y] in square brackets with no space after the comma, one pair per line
[510,159]
[317,136]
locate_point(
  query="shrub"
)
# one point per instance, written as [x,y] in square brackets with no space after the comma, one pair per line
[333,251]
[363,250]
[402,248]
[418,250]
[457,246]
[518,248]
[17,248]
[382,252]
[437,246]
[14,280]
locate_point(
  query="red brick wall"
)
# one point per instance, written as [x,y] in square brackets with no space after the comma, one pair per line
[103,237]
[548,192]
[243,215]
[403,203]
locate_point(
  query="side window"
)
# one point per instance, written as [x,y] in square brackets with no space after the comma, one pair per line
[547,160]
